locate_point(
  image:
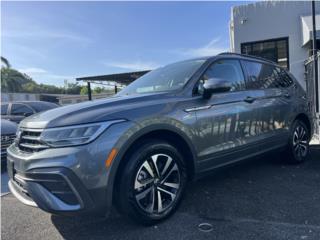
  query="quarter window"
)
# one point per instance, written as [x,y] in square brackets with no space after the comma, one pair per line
[285,79]
[225,69]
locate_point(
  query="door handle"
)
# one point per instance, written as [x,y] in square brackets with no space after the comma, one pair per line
[249,99]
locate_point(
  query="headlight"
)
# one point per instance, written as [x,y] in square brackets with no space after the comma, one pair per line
[74,135]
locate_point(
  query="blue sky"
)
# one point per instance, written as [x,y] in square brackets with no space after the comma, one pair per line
[53,41]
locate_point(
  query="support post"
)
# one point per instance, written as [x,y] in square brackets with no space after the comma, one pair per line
[89,91]
[316,77]
[115,89]
[315,57]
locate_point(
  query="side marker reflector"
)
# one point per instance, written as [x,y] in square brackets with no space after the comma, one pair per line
[111,156]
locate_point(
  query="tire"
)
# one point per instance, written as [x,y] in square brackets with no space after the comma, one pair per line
[298,145]
[148,194]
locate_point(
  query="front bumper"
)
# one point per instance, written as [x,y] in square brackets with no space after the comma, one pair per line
[66,181]
[54,190]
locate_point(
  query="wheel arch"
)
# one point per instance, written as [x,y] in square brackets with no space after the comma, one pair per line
[174,136]
[306,120]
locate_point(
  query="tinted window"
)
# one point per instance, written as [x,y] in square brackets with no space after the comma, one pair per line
[4,109]
[225,69]
[284,78]
[262,76]
[167,78]
[20,109]
[42,106]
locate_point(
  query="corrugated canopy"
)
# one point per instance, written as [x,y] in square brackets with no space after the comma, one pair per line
[119,78]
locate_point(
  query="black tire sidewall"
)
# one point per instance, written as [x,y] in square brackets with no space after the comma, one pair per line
[126,196]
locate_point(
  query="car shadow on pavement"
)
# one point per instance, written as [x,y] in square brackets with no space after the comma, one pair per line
[259,192]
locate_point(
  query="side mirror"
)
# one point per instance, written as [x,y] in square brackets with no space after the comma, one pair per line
[27,114]
[215,85]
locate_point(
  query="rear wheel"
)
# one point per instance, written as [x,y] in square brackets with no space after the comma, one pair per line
[298,146]
[152,183]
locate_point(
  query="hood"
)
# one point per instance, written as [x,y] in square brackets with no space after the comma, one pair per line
[116,107]
[8,127]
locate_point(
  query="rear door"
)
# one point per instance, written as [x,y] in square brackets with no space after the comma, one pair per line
[264,80]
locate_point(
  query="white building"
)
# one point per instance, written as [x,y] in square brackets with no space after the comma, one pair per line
[278,30]
[282,32]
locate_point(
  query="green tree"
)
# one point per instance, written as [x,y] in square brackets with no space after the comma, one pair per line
[84,90]
[14,81]
[98,90]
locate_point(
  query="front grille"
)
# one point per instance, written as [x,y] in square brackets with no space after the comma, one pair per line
[29,141]
[7,140]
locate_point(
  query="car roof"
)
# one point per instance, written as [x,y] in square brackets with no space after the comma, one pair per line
[30,102]
[238,56]
[247,57]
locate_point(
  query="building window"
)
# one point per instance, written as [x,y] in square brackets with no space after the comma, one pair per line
[276,50]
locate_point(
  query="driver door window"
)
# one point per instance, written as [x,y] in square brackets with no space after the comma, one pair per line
[226,69]
[21,110]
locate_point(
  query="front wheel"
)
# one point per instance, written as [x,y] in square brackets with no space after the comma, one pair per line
[298,146]
[152,182]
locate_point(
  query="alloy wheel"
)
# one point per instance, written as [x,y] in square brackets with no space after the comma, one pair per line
[300,141]
[157,183]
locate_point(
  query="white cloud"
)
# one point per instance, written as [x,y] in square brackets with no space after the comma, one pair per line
[41,75]
[33,70]
[61,77]
[214,47]
[38,33]
[134,65]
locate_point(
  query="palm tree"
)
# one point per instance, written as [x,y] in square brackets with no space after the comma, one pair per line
[5,62]
[11,79]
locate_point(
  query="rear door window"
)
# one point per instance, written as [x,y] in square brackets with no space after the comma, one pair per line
[262,76]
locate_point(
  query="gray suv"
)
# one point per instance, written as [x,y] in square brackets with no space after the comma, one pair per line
[138,149]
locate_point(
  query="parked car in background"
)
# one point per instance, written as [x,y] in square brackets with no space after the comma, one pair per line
[16,111]
[138,149]
[8,134]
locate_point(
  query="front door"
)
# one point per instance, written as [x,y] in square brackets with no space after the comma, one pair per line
[224,121]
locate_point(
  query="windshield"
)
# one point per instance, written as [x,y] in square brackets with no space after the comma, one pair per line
[167,78]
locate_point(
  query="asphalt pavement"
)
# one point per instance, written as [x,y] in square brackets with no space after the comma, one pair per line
[263,198]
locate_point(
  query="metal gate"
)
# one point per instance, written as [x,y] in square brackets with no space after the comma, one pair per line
[311,91]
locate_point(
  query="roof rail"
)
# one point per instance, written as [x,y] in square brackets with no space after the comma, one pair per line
[249,56]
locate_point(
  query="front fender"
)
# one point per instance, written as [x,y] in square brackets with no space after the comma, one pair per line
[140,129]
